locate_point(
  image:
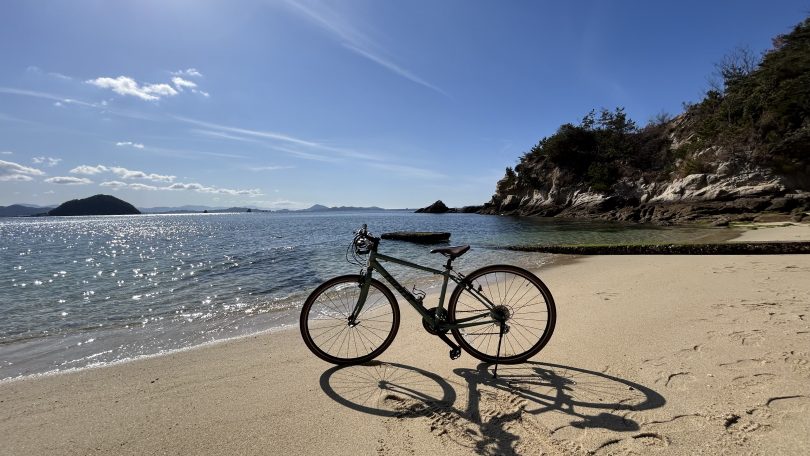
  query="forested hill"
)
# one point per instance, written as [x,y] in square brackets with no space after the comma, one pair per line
[95,205]
[742,151]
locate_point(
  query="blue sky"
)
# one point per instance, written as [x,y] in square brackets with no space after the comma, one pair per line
[284,104]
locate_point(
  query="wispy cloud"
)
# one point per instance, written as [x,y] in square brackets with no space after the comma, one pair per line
[408,171]
[353,39]
[279,141]
[130,144]
[307,149]
[37,70]
[6,152]
[255,133]
[395,68]
[10,171]
[192,72]
[222,135]
[48,161]
[287,204]
[268,168]
[44,95]
[68,180]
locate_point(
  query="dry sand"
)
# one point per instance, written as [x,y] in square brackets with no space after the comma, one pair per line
[652,354]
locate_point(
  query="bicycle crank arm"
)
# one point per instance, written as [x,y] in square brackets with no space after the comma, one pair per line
[455,351]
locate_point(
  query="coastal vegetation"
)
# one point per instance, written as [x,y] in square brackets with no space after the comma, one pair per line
[743,146]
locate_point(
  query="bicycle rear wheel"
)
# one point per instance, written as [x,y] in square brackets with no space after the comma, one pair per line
[329,334]
[520,298]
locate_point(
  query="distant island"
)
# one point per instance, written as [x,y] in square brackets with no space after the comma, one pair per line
[23,210]
[109,205]
[95,205]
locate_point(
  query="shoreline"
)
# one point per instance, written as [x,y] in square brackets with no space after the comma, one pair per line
[679,354]
[767,232]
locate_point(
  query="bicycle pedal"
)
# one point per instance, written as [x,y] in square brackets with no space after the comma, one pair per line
[455,353]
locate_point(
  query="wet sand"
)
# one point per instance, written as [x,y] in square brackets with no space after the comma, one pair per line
[651,354]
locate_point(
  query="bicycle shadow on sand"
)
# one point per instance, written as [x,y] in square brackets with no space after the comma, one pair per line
[490,421]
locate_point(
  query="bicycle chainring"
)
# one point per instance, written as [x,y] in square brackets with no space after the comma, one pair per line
[427,326]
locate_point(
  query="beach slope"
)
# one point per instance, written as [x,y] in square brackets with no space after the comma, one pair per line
[667,354]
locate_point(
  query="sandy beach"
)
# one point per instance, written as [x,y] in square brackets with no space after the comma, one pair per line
[651,354]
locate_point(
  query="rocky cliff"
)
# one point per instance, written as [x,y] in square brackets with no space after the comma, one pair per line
[741,153]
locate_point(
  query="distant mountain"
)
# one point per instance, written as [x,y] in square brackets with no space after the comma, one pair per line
[95,205]
[179,209]
[322,208]
[19,210]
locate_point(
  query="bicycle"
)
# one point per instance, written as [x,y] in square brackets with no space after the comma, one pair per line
[352,319]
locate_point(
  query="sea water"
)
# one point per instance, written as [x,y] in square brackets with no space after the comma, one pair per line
[86,291]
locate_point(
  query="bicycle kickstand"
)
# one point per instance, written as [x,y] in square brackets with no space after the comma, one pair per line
[498,354]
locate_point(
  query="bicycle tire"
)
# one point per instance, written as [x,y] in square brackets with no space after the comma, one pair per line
[324,321]
[531,319]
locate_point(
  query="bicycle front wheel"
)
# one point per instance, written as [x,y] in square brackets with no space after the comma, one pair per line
[331,336]
[519,297]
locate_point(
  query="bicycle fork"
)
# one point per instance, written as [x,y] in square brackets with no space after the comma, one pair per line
[361,300]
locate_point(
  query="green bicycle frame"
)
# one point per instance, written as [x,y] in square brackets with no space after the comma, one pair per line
[447,275]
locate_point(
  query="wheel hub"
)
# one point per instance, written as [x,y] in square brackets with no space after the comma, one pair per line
[500,313]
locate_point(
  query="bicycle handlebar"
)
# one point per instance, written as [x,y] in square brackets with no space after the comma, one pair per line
[363,232]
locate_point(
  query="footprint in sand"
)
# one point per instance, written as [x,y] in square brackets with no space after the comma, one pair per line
[789,404]
[679,380]
[748,363]
[641,443]
[746,381]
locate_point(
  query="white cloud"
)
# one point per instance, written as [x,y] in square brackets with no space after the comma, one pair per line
[181,83]
[124,85]
[124,173]
[6,152]
[49,161]
[130,185]
[196,187]
[10,171]
[130,143]
[113,184]
[68,180]
[187,72]
[121,172]
[86,169]
[204,189]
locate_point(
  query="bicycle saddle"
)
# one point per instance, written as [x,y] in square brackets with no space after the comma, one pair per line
[452,252]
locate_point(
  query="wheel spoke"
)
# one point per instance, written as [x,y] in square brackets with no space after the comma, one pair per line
[327,329]
[520,298]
